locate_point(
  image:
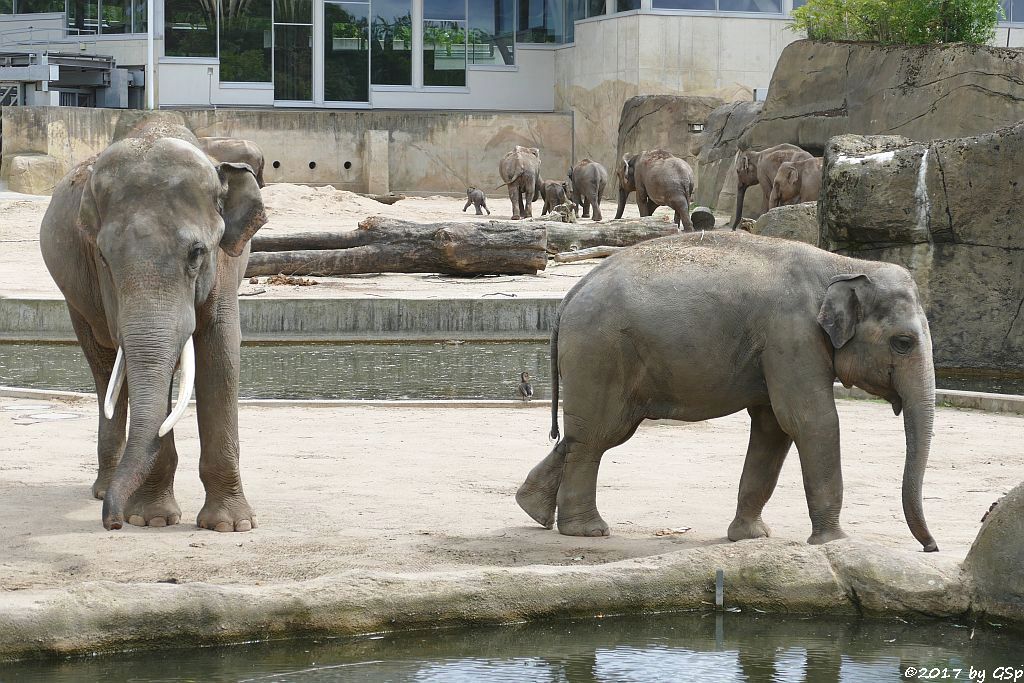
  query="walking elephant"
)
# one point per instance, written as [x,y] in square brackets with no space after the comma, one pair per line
[237,151]
[760,168]
[520,172]
[766,326]
[588,180]
[148,242]
[660,179]
[796,182]
[553,192]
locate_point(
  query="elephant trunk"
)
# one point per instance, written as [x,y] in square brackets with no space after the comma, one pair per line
[623,195]
[918,399]
[150,353]
[741,190]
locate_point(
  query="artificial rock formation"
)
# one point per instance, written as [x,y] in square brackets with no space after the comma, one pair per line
[716,169]
[995,563]
[951,211]
[31,173]
[797,222]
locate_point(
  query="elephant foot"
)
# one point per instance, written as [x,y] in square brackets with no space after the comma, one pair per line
[149,510]
[819,537]
[538,501]
[587,523]
[742,529]
[226,514]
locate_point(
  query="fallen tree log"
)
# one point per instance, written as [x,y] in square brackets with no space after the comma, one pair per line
[385,245]
[584,254]
[560,236]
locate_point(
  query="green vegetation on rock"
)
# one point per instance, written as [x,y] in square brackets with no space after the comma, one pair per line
[900,22]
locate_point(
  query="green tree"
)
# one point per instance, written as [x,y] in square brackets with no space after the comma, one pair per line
[900,22]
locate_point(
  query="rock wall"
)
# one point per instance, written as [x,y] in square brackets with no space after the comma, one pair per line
[716,161]
[995,564]
[951,211]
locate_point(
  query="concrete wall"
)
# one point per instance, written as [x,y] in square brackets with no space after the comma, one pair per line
[660,53]
[428,152]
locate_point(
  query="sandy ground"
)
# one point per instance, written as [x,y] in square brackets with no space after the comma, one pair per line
[299,208]
[414,489]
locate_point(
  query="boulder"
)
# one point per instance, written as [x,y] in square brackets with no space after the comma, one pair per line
[31,173]
[952,212]
[822,89]
[798,222]
[718,146]
[995,564]
[662,122]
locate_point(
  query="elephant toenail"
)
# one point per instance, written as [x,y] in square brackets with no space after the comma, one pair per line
[243,525]
[224,526]
[136,520]
[158,521]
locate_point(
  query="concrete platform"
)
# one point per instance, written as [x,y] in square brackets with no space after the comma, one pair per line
[393,517]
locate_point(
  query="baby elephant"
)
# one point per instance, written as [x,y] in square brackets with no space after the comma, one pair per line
[478,199]
[796,182]
[554,193]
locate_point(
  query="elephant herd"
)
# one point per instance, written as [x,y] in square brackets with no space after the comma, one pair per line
[786,174]
[148,241]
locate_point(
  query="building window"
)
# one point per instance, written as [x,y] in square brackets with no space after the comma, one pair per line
[346,51]
[444,42]
[541,21]
[1013,11]
[293,50]
[115,16]
[190,29]
[799,3]
[36,6]
[391,47]
[492,32]
[245,41]
[627,5]
[6,6]
[753,6]
[82,19]
[581,9]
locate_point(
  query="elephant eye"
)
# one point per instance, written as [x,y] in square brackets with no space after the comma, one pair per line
[196,254]
[901,343]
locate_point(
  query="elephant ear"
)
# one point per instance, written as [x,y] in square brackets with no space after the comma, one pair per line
[88,220]
[241,206]
[843,307]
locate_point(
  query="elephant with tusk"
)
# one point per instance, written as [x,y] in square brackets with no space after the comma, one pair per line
[148,242]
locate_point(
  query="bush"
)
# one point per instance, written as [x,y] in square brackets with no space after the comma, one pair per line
[906,22]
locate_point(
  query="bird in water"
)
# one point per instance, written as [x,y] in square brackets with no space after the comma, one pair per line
[525,388]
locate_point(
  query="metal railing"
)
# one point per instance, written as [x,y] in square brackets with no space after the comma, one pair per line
[31,36]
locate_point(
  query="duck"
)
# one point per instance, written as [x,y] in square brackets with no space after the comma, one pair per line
[525,388]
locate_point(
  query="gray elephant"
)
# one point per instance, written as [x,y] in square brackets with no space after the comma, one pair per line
[796,182]
[148,242]
[236,151]
[760,168]
[553,192]
[588,180]
[477,199]
[660,179]
[520,172]
[767,327]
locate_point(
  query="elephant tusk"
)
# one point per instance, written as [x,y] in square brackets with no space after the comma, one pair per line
[185,384]
[114,385]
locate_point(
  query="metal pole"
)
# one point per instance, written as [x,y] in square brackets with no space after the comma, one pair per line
[150,55]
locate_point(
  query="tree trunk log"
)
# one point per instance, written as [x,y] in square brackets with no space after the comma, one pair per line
[584,254]
[614,233]
[384,245]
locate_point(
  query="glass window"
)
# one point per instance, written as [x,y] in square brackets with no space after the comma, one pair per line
[1013,10]
[542,21]
[139,21]
[346,52]
[799,3]
[245,41]
[491,31]
[770,6]
[685,4]
[391,48]
[116,16]
[34,6]
[6,6]
[627,5]
[444,42]
[293,62]
[190,29]
[293,11]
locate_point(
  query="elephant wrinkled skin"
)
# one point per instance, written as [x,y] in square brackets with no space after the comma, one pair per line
[148,242]
[765,325]
[520,172]
[588,180]
[760,168]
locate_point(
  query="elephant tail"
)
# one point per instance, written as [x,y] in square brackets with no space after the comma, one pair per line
[554,376]
[511,180]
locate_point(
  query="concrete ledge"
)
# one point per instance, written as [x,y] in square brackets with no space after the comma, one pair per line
[845,577]
[298,320]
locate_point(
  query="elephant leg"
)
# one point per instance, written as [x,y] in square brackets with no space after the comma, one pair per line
[766,452]
[643,203]
[537,495]
[468,202]
[528,198]
[595,202]
[682,209]
[484,204]
[217,356]
[586,207]
[153,503]
[111,439]
[517,202]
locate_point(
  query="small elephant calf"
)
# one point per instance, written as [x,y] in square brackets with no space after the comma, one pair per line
[478,199]
[553,192]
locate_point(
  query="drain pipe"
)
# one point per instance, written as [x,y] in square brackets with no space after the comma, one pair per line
[150,58]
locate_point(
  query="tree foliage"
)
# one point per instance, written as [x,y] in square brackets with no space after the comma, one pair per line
[900,22]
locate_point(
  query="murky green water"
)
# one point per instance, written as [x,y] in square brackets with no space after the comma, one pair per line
[666,647]
[472,370]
